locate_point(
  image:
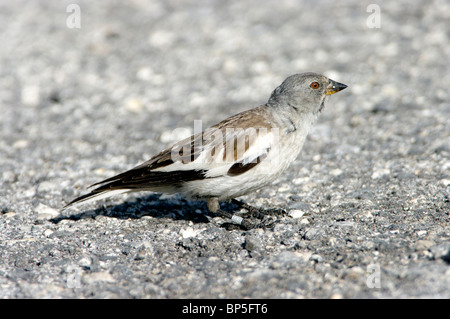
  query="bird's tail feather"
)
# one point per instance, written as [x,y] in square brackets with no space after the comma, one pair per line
[95,195]
[140,179]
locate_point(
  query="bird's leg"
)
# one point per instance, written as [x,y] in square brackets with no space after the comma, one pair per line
[251,211]
[242,222]
[237,220]
[214,207]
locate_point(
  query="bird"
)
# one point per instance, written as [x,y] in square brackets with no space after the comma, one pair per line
[235,157]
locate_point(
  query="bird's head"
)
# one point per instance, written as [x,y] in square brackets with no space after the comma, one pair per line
[304,92]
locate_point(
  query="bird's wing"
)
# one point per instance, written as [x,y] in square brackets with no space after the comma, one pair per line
[231,147]
[224,149]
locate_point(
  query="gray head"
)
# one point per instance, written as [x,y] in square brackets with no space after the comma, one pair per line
[305,92]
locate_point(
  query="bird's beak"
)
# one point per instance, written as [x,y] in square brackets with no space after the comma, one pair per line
[334,87]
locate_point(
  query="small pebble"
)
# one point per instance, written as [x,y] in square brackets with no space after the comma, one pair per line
[45,212]
[296,213]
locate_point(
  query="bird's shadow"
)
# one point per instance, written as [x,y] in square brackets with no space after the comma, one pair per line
[177,208]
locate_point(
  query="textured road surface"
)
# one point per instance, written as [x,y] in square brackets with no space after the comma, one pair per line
[367,199]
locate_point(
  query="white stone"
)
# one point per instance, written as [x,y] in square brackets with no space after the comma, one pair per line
[101,276]
[380,172]
[162,39]
[30,95]
[133,105]
[336,172]
[296,213]
[48,232]
[46,212]
[190,232]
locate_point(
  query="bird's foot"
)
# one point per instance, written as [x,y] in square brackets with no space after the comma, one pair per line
[237,222]
[264,217]
[259,213]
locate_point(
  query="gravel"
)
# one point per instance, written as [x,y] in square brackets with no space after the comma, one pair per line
[367,200]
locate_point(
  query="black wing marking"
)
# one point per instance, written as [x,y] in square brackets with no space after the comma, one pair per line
[244,165]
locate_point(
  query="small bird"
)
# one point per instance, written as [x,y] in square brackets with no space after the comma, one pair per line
[237,156]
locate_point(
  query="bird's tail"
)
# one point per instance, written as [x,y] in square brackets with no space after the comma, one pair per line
[95,195]
[140,178]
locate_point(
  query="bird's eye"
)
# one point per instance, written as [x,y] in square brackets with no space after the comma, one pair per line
[315,85]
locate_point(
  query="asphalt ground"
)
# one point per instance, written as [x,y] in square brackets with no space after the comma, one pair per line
[84,97]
